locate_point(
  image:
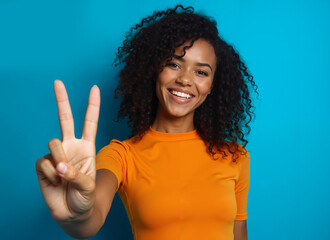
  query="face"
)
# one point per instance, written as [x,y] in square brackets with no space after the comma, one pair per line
[184,83]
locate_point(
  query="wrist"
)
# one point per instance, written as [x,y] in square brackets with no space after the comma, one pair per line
[77,218]
[83,226]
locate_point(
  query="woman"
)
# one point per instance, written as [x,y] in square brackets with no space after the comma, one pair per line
[183,174]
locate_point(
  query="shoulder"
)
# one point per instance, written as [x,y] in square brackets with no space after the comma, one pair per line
[124,146]
[236,152]
[243,155]
[243,152]
[120,147]
[243,163]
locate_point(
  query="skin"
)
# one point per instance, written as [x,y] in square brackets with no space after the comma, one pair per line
[78,197]
[188,74]
[240,230]
[194,74]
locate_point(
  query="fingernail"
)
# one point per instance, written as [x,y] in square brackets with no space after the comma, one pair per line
[62,168]
[56,81]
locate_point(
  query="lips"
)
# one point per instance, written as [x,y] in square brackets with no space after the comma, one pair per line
[181,93]
[180,96]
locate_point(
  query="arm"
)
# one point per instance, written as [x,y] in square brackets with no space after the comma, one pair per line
[241,193]
[89,225]
[240,230]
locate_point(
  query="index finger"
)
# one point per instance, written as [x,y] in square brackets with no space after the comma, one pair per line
[64,110]
[56,149]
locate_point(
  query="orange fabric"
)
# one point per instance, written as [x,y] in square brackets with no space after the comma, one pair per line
[172,188]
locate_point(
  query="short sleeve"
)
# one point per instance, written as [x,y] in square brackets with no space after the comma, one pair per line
[242,186]
[113,157]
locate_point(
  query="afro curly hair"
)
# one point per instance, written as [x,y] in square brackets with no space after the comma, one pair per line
[223,118]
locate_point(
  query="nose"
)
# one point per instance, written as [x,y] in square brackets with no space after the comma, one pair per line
[184,79]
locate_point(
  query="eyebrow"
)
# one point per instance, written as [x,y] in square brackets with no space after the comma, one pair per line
[204,65]
[198,64]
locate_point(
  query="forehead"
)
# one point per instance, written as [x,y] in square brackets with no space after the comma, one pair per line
[201,51]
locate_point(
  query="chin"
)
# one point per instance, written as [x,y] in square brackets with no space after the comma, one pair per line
[178,113]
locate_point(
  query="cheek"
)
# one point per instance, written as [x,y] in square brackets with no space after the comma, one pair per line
[161,87]
[204,88]
[165,77]
[163,81]
[158,90]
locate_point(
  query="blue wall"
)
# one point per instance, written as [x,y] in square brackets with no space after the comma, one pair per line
[285,45]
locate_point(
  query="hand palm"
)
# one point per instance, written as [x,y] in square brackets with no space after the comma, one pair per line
[68,199]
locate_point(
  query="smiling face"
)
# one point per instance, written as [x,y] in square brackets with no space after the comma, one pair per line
[185,82]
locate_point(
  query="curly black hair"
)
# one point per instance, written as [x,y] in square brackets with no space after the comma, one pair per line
[222,118]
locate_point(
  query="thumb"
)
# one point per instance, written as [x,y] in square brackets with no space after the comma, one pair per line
[77,178]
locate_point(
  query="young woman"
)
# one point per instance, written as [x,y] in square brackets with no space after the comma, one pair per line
[182,174]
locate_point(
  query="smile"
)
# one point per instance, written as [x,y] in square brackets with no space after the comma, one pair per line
[180,94]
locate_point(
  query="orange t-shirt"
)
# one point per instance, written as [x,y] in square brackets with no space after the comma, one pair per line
[172,188]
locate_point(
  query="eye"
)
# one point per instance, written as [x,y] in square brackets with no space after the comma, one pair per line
[172,65]
[202,73]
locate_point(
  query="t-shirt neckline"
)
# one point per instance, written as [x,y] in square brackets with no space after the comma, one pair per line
[173,136]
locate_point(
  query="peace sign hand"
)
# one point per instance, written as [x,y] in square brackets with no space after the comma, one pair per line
[67,175]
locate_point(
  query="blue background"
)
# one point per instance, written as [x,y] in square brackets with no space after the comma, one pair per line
[284,43]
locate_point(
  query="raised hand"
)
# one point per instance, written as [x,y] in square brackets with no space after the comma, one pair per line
[67,175]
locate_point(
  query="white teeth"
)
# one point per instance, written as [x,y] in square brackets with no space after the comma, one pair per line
[180,94]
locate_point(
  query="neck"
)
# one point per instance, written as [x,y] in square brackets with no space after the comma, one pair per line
[171,124]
